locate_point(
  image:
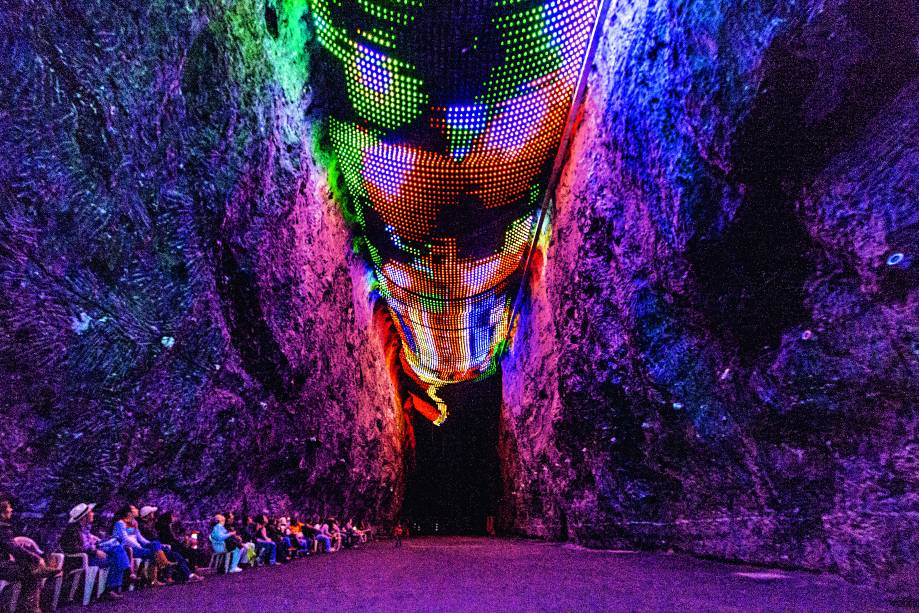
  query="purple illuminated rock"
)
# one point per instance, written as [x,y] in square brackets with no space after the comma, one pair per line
[722,356]
[183,320]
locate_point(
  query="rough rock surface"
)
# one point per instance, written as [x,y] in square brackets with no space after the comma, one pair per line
[183,320]
[723,354]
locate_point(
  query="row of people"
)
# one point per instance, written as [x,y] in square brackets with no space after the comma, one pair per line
[171,553]
[277,540]
[141,534]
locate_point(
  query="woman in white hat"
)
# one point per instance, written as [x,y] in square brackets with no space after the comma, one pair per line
[109,554]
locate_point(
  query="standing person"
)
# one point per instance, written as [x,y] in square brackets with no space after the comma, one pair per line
[107,554]
[27,566]
[397,534]
[219,537]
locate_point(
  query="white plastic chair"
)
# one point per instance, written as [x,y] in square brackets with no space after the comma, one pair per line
[56,583]
[85,575]
[218,560]
[102,582]
[140,568]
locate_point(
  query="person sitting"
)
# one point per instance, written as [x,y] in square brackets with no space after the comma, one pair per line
[180,567]
[366,531]
[108,554]
[21,563]
[276,530]
[247,547]
[321,535]
[248,534]
[264,545]
[334,533]
[168,534]
[128,534]
[352,535]
[219,537]
[297,535]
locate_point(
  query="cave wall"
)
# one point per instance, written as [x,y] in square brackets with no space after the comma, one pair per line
[721,356]
[183,320]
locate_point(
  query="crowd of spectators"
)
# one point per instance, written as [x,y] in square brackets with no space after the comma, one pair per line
[161,544]
[259,539]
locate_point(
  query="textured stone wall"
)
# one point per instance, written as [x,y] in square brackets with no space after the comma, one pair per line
[723,353]
[183,320]
[721,356]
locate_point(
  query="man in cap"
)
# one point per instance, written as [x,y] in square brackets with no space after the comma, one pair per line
[108,554]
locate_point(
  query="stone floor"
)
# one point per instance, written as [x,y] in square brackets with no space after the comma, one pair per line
[478,574]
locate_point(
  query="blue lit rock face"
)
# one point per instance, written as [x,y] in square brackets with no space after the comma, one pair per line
[723,354]
[183,322]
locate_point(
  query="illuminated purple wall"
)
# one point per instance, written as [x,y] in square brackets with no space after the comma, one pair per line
[183,321]
[721,356]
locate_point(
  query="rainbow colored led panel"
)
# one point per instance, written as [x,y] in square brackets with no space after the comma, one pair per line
[446,123]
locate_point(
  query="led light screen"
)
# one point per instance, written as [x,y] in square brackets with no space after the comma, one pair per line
[446,124]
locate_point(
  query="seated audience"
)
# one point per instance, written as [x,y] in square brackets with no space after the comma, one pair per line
[264,544]
[168,532]
[128,534]
[108,554]
[247,548]
[219,537]
[276,530]
[352,536]
[180,567]
[334,533]
[296,532]
[366,530]
[159,538]
[321,534]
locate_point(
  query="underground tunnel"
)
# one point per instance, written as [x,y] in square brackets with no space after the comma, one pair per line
[613,296]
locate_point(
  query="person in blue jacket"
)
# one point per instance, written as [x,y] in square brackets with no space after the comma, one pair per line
[219,536]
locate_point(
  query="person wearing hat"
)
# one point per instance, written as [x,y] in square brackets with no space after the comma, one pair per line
[181,570]
[108,554]
[127,533]
[146,522]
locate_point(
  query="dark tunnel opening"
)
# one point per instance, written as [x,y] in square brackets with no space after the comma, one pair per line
[455,482]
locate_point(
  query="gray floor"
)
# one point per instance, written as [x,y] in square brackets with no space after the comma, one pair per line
[477,574]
